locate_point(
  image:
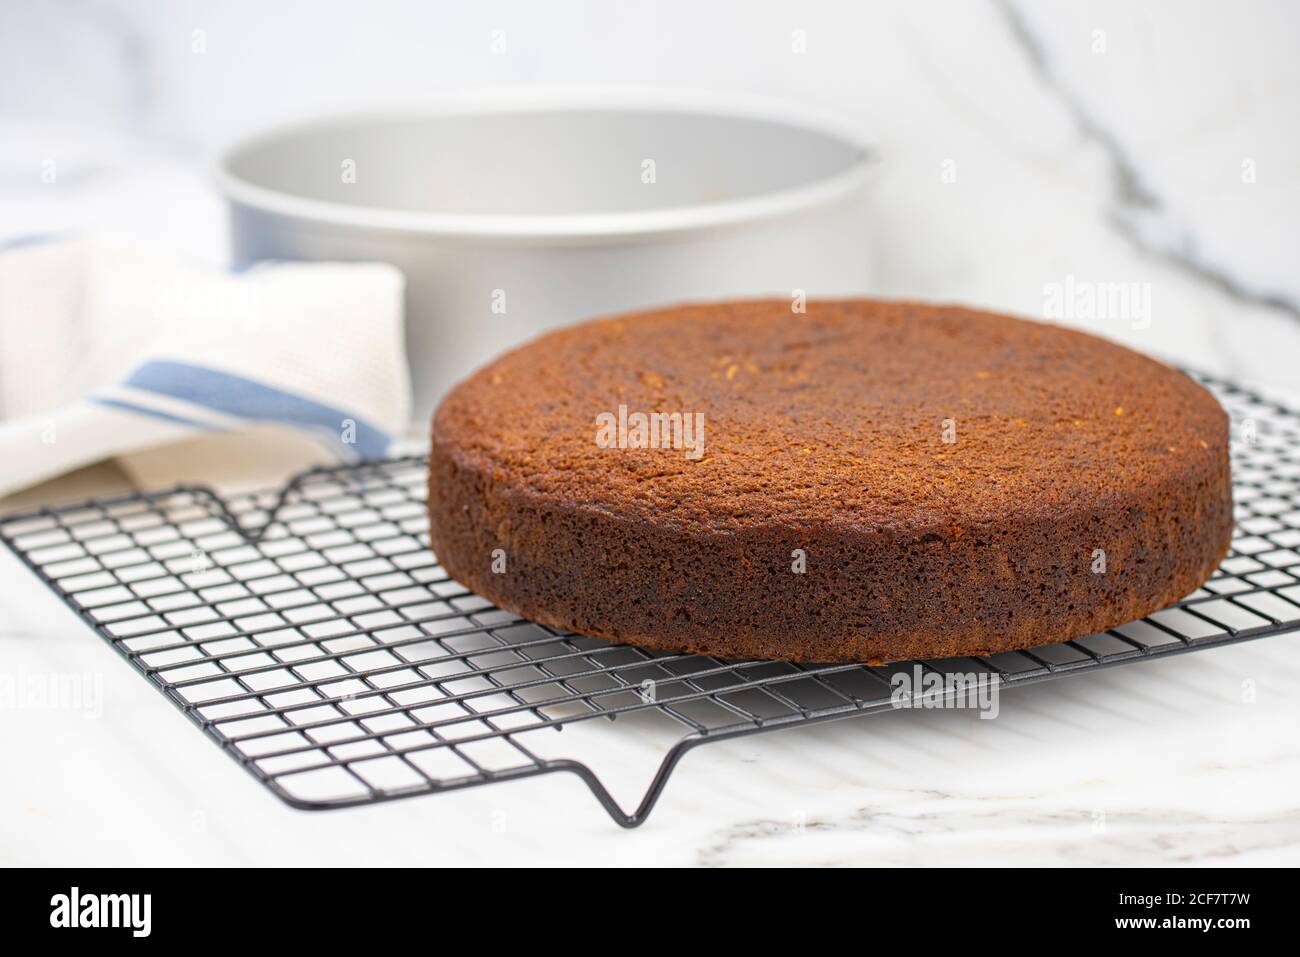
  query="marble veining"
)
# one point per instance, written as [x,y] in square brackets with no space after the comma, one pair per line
[1134,202]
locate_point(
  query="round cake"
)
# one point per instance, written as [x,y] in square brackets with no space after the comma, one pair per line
[863,481]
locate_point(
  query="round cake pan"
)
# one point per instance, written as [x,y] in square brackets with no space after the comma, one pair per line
[512,213]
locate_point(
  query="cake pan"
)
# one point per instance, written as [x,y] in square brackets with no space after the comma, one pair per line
[512,213]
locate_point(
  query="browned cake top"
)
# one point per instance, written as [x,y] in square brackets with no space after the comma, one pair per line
[861,414]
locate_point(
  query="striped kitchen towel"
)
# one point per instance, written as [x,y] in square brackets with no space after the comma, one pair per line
[109,348]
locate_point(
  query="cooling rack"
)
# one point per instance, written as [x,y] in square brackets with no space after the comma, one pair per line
[311,633]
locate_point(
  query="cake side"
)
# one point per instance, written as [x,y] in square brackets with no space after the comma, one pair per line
[871,597]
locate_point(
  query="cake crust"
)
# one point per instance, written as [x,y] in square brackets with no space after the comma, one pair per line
[876,481]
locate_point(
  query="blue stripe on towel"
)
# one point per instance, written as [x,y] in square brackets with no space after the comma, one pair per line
[234,395]
[23,240]
[153,413]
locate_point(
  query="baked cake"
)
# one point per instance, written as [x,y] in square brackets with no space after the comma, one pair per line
[865,481]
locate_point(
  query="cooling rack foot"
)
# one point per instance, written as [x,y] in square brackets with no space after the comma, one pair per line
[651,798]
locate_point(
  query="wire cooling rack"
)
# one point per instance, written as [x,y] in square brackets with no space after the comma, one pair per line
[311,633]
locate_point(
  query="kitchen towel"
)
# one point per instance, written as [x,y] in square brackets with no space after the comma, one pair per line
[109,347]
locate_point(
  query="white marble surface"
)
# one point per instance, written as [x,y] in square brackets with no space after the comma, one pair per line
[1118,165]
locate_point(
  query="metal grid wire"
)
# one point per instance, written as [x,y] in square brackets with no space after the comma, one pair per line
[311,633]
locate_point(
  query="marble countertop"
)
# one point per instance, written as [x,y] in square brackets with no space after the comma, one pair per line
[1125,165]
